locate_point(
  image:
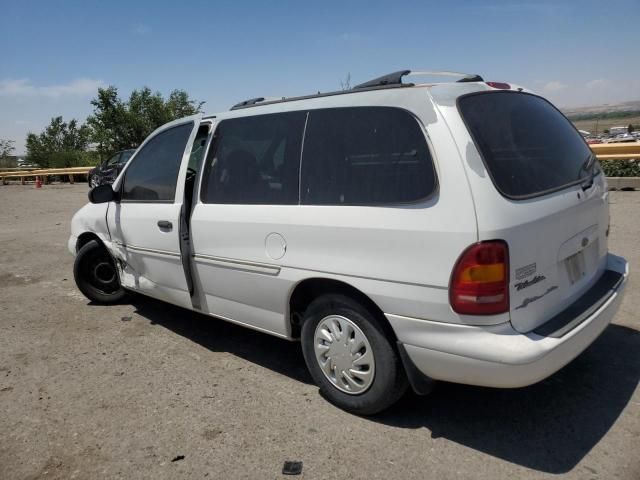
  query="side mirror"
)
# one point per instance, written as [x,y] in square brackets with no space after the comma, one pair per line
[102,194]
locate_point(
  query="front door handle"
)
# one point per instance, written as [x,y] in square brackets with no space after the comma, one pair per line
[165,225]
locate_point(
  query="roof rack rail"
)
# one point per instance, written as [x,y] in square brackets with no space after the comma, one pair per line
[471,78]
[391,80]
[247,103]
[395,78]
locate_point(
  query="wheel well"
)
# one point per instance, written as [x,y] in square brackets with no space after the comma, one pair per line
[85,238]
[311,288]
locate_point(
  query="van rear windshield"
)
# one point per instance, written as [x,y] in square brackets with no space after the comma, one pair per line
[528,146]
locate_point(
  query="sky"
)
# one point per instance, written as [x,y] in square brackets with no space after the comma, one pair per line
[54,55]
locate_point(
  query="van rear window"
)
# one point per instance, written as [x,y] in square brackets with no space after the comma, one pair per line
[528,146]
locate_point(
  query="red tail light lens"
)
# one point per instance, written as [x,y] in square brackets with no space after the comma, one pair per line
[480,280]
[499,85]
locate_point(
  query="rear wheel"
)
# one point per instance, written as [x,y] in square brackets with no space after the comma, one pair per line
[95,274]
[350,356]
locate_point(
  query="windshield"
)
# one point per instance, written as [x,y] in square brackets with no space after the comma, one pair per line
[528,146]
[113,160]
[126,155]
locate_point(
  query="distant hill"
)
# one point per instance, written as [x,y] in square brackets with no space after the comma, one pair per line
[596,119]
[613,110]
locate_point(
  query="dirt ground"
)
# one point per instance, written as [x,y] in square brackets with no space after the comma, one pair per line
[121,392]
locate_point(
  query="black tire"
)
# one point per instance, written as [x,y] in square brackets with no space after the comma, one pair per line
[389,382]
[96,275]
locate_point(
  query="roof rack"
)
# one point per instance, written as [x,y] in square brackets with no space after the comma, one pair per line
[395,78]
[391,80]
[248,103]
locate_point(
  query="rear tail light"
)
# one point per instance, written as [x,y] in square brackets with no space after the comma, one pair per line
[480,280]
[499,85]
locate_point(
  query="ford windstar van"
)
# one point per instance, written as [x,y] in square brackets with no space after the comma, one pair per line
[403,233]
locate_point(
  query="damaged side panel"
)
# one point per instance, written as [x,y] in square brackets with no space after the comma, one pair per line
[90,219]
[134,278]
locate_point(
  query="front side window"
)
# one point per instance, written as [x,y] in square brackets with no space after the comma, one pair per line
[365,156]
[255,160]
[528,146]
[153,174]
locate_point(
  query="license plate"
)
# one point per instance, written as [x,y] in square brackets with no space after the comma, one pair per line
[575,267]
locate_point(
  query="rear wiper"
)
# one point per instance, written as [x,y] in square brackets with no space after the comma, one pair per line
[588,163]
[587,166]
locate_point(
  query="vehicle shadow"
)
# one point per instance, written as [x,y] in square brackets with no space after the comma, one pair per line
[277,354]
[547,427]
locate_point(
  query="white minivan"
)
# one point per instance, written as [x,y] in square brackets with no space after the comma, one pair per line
[404,233]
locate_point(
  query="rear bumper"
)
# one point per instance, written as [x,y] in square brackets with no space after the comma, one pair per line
[498,355]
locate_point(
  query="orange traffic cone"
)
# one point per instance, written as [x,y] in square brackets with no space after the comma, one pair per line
[38,182]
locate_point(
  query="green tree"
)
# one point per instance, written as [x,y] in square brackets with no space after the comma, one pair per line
[180,105]
[60,145]
[118,124]
[6,151]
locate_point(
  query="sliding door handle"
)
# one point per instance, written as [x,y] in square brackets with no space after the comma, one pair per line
[165,225]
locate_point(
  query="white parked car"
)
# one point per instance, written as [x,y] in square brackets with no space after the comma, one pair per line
[402,233]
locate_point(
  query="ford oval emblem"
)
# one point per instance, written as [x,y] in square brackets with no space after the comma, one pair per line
[585,241]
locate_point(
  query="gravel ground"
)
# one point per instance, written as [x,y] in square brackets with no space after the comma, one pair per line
[121,392]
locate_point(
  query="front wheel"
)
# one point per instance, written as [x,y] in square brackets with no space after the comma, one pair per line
[95,274]
[93,181]
[350,356]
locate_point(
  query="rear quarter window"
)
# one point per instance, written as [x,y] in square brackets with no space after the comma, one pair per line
[365,156]
[527,145]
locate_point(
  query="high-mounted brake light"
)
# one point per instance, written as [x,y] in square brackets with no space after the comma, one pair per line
[499,85]
[480,280]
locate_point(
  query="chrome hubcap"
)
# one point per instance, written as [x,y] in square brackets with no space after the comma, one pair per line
[344,354]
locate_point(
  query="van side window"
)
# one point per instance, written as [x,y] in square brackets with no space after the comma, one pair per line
[365,156]
[255,160]
[153,175]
